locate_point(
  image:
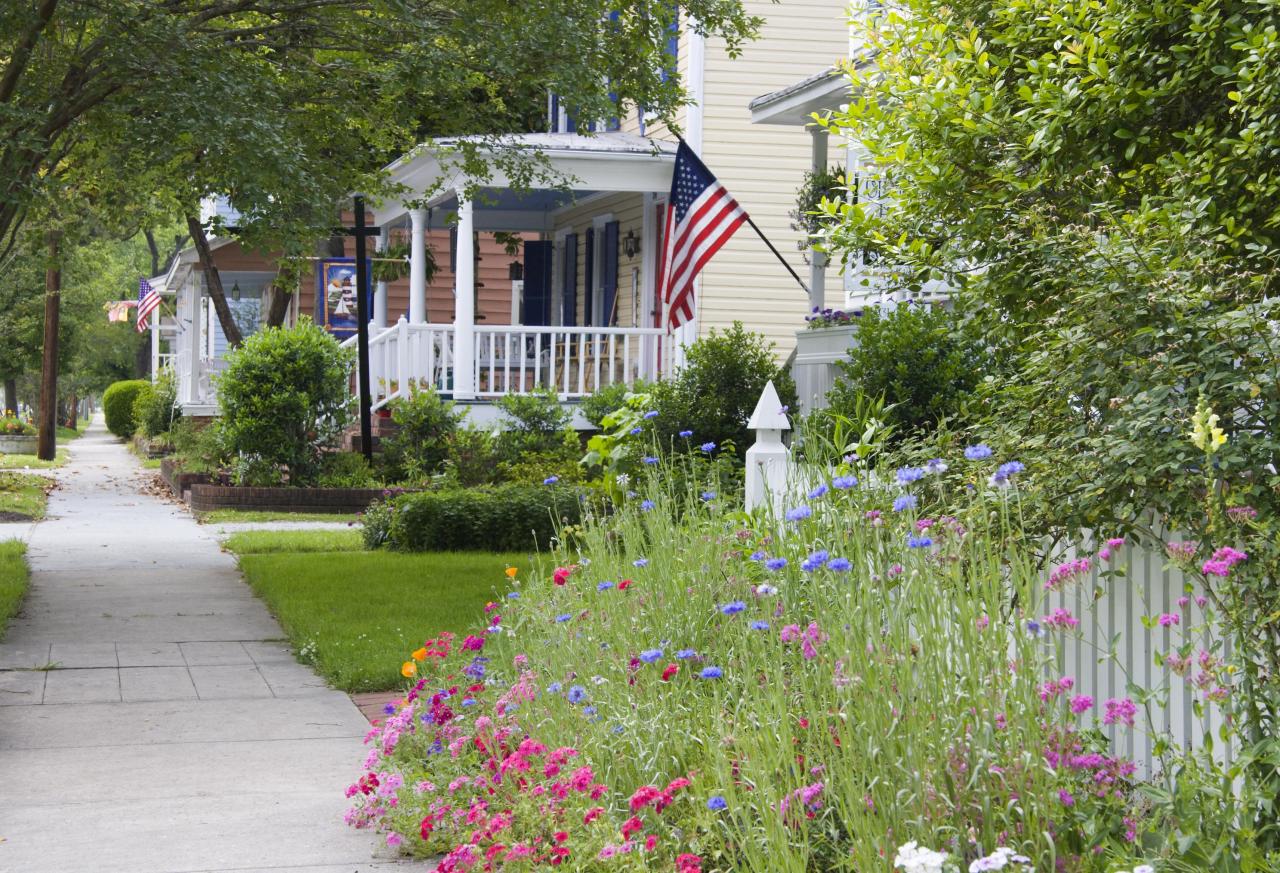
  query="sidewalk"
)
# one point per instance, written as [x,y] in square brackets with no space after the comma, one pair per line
[168,730]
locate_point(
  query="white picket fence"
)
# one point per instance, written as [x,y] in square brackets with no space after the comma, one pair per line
[1110,602]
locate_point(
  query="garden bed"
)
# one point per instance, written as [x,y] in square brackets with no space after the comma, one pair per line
[178,480]
[209,498]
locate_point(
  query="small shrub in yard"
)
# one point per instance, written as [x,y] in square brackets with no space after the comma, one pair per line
[198,448]
[156,410]
[536,423]
[346,470]
[285,399]
[505,518]
[427,425]
[118,406]
[11,425]
[611,398]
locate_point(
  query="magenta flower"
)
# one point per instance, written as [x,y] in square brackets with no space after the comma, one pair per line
[1081,703]
[1119,710]
[1168,619]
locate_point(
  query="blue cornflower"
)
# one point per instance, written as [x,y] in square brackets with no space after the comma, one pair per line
[1034,628]
[716,803]
[759,555]
[551,480]
[978,452]
[800,512]
[776,563]
[651,655]
[686,433]
[636,431]
[844,483]
[907,475]
[389,709]
[821,556]
[904,502]
[839,565]
[759,625]
[604,586]
[513,595]
[649,459]
[686,654]
[708,447]
[1006,471]
[936,465]
[708,496]
[733,608]
[646,505]
[588,710]
[652,413]
[710,673]
[818,492]
[640,562]
[468,701]
[617,729]
[577,694]
[914,542]
[565,617]
[554,688]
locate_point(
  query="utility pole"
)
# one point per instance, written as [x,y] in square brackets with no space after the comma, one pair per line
[47,443]
[362,232]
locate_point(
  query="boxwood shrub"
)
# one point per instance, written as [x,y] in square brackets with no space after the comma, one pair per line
[118,406]
[508,518]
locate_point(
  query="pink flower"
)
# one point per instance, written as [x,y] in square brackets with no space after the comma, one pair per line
[592,814]
[1183,601]
[631,826]
[1119,710]
[790,633]
[1067,573]
[1061,618]
[1065,796]
[561,575]
[1081,703]
[1168,619]
[473,643]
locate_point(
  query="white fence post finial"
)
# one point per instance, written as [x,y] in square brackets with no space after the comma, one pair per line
[768,460]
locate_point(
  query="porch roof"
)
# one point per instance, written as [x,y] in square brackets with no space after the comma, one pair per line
[583,165]
[796,104]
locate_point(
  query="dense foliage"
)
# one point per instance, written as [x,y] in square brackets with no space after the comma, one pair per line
[285,397]
[426,425]
[156,409]
[717,389]
[502,518]
[916,359]
[118,405]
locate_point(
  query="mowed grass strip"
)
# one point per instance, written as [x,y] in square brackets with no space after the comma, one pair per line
[13,580]
[228,516]
[24,494]
[270,542]
[31,462]
[356,615]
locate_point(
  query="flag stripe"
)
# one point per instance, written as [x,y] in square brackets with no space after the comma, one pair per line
[709,237]
[706,208]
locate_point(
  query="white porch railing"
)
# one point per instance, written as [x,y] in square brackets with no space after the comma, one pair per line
[513,359]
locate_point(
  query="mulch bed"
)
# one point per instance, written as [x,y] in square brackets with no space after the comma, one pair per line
[6,516]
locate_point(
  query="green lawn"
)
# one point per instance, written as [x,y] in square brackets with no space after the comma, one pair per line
[19,462]
[13,580]
[227,516]
[357,615]
[24,493]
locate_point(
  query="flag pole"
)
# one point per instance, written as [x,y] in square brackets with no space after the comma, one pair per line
[777,254]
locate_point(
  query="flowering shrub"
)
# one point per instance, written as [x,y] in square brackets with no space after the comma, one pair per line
[820,318]
[690,688]
[11,425]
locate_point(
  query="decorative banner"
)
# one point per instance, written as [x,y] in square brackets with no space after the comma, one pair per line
[118,310]
[336,296]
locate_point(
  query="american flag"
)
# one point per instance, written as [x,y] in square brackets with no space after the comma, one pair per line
[148,300]
[701,216]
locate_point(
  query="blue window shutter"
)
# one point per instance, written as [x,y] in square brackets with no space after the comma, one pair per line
[588,276]
[673,46]
[537,282]
[569,304]
[609,274]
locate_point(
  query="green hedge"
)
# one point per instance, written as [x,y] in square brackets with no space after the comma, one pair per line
[118,406]
[511,518]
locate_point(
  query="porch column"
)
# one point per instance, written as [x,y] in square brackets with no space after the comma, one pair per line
[418,267]
[196,284]
[818,260]
[464,305]
[380,288]
[155,345]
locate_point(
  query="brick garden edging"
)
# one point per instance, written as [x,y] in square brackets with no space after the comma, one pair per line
[207,498]
[178,481]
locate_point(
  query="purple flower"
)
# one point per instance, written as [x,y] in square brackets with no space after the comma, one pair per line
[776,563]
[565,617]
[1119,710]
[686,433]
[715,803]
[649,656]
[935,465]
[604,586]
[652,413]
[904,502]
[978,452]
[708,447]
[733,608]
[554,688]
[646,505]
[1005,472]
[686,654]
[1081,703]
[915,542]
[1168,619]
[1034,629]
[907,475]
[577,694]
[710,673]
[760,625]
[759,555]
[1065,796]
[636,431]
[799,513]
[649,459]
[844,483]
[839,565]
[551,480]
[640,562]
[817,492]
[708,496]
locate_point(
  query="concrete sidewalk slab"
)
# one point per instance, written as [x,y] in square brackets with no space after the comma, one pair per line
[151,719]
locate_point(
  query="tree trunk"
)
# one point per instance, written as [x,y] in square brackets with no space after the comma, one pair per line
[142,358]
[73,410]
[47,443]
[10,396]
[229,327]
[277,304]
[155,251]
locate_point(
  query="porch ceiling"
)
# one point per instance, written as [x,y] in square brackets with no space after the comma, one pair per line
[796,104]
[605,162]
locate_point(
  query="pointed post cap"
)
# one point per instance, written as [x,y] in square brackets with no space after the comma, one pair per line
[769,414]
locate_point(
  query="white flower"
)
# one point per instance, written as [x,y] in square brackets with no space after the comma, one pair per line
[623,479]
[912,858]
[1144,868]
[766,590]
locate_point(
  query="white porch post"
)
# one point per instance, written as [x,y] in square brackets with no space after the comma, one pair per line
[380,288]
[197,338]
[418,267]
[818,260]
[155,345]
[464,305]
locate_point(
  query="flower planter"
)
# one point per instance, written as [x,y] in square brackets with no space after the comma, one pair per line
[814,370]
[12,444]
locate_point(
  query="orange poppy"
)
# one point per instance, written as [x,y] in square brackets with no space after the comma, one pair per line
[511,572]
[408,669]
[420,655]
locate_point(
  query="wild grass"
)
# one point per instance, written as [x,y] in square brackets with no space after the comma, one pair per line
[232,516]
[13,580]
[24,494]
